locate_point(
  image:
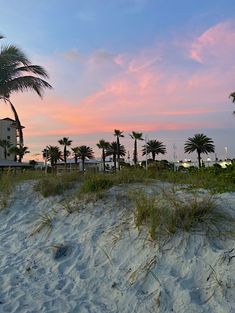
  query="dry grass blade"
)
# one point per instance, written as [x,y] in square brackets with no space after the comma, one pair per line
[44,222]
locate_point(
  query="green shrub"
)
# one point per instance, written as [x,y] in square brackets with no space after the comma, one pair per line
[96,183]
[167,212]
[56,185]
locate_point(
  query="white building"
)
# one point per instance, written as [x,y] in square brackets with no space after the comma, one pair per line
[8,132]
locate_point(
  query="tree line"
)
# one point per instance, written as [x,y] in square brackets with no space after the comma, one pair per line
[199,143]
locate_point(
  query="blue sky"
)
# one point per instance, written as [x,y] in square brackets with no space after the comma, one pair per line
[164,68]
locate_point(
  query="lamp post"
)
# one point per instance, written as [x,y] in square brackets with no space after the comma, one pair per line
[174,156]
[226,153]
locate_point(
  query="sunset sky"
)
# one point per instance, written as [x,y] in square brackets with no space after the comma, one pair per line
[161,67]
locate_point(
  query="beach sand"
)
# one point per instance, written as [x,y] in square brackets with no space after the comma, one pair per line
[95,260]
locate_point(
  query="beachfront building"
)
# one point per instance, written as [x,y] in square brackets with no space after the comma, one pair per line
[207,163]
[8,131]
[90,165]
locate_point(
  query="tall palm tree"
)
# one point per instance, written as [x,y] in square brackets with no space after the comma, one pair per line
[113,150]
[19,151]
[155,147]
[54,155]
[102,144]
[5,144]
[119,134]
[83,153]
[18,74]
[75,151]
[66,142]
[136,136]
[201,144]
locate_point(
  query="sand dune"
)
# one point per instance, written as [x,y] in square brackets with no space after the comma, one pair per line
[95,260]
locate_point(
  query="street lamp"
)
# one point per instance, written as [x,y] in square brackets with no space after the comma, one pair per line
[226,153]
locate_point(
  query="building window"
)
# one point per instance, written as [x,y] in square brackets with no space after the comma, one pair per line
[8,154]
[8,128]
[9,137]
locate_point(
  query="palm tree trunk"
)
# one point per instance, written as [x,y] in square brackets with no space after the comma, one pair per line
[135,152]
[18,124]
[115,162]
[83,165]
[153,155]
[5,153]
[65,158]
[199,159]
[103,157]
[118,153]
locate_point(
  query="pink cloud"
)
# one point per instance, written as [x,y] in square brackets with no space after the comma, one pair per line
[141,93]
[216,42]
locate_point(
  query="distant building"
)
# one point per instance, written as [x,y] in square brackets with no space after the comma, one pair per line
[8,131]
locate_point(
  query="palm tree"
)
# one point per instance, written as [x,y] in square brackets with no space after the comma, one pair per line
[118,134]
[19,151]
[113,150]
[54,155]
[18,74]
[102,144]
[5,144]
[232,95]
[75,154]
[201,144]
[136,136]
[66,142]
[155,147]
[83,153]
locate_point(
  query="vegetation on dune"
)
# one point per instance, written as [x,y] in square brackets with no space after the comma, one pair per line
[168,212]
[53,185]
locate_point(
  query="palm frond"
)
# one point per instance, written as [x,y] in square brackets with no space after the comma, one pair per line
[34,69]
[11,53]
[25,83]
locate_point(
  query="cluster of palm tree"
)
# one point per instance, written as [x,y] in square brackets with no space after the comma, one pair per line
[199,143]
[116,150]
[54,154]
[18,74]
[18,151]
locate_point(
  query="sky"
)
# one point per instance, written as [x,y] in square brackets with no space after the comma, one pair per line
[161,67]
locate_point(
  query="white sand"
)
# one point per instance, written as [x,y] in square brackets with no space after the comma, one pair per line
[109,266]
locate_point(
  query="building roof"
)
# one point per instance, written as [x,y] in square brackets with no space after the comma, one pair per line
[10,120]
[10,163]
[72,161]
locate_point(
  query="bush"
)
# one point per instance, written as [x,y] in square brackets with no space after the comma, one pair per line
[56,185]
[96,183]
[167,212]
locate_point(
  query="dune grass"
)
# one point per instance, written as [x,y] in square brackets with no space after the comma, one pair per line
[53,185]
[168,212]
[44,222]
[10,178]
